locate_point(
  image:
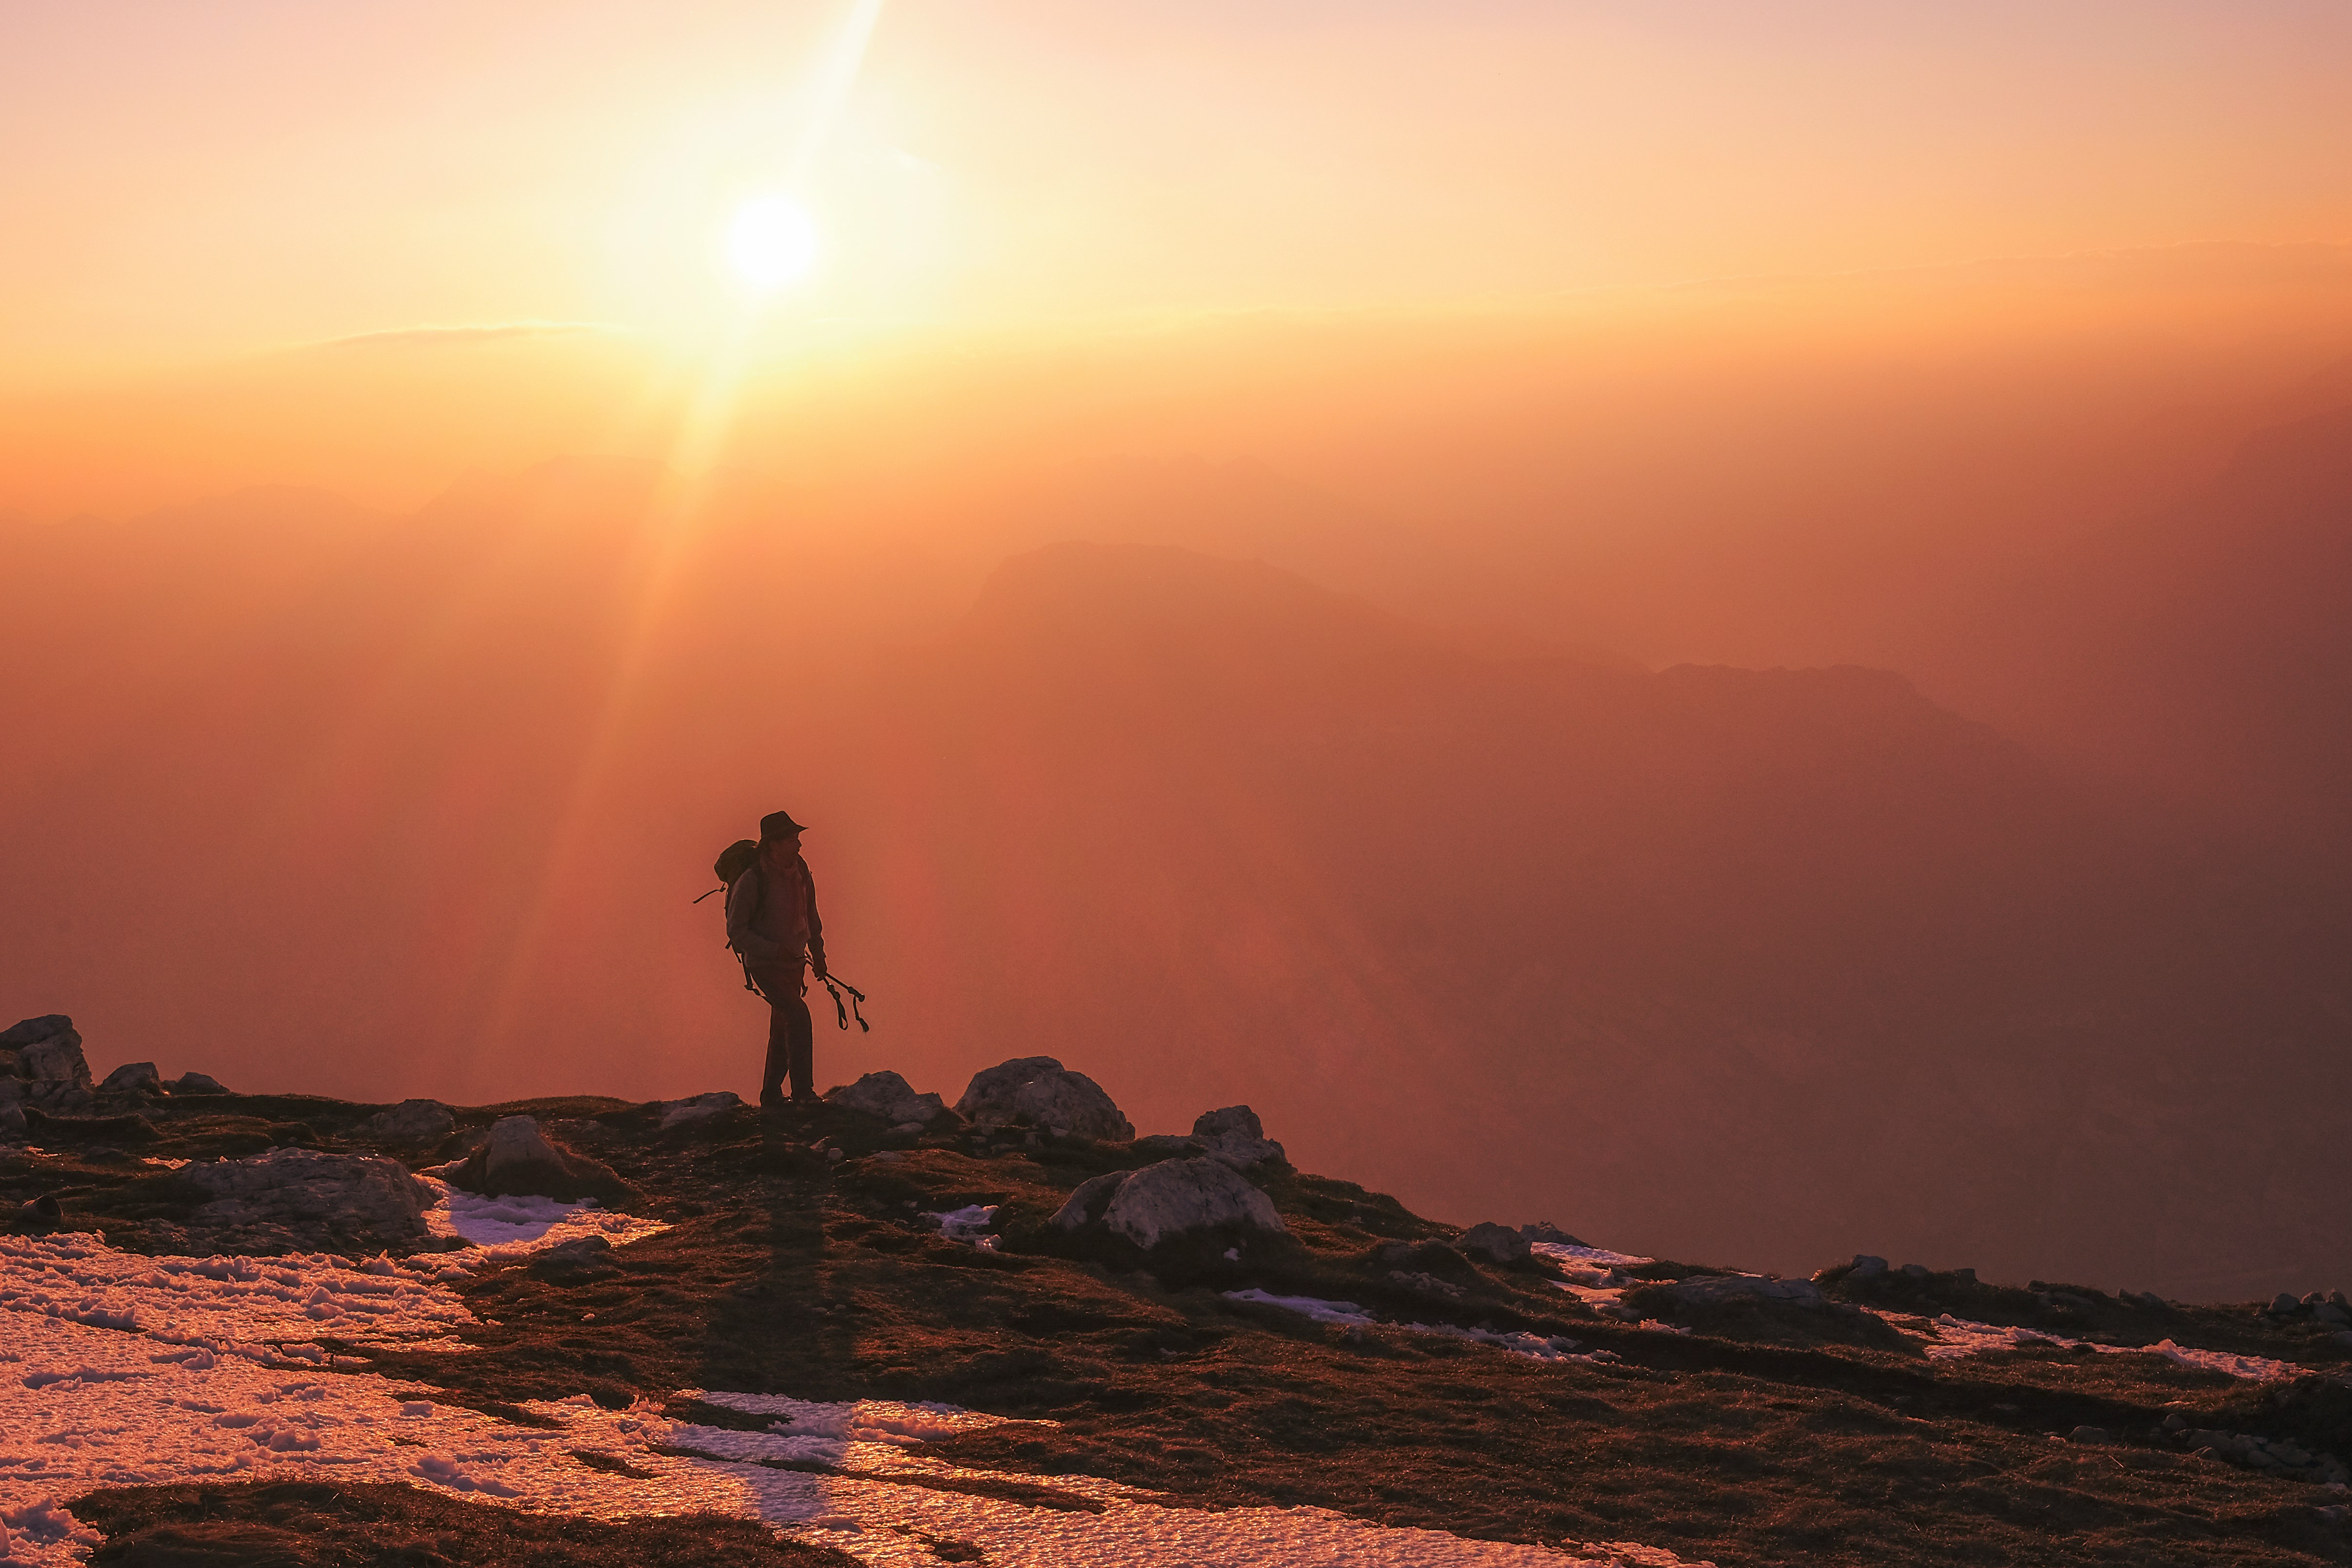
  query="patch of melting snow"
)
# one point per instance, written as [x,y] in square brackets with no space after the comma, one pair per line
[168,1164]
[1956,1337]
[508,1225]
[1535,1346]
[1592,1277]
[124,1370]
[1564,1253]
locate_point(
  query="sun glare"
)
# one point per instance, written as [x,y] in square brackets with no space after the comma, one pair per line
[771,242]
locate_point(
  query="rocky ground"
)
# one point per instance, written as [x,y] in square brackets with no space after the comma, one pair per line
[1191,1316]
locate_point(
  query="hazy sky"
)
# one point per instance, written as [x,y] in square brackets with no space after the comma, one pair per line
[180,181]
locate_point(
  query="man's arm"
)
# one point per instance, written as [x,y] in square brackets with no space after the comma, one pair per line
[742,902]
[815,926]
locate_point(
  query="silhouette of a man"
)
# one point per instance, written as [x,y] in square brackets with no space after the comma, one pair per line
[772,925]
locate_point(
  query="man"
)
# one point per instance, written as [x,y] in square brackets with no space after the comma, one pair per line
[772,925]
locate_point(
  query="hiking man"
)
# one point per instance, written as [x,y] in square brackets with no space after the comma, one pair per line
[772,925]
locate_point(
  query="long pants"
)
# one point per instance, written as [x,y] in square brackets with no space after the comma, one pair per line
[792,1036]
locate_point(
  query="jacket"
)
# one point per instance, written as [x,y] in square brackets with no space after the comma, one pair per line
[767,933]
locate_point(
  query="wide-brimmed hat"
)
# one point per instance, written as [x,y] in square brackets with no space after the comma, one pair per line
[779,824]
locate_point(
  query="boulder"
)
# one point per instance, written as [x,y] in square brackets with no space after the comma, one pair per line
[1544,1230]
[197,1083]
[414,1124]
[517,1161]
[50,1061]
[1039,1092]
[1172,1199]
[700,1108]
[304,1200]
[1496,1243]
[1234,1136]
[1085,1206]
[32,1032]
[891,1098]
[133,1078]
[1714,1290]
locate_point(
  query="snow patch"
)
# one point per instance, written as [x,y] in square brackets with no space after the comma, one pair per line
[512,1224]
[1322,1312]
[126,1370]
[1534,1346]
[1566,1253]
[1956,1337]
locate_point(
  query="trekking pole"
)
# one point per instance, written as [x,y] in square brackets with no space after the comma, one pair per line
[834,987]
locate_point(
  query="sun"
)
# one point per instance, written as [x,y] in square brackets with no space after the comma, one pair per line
[771,242]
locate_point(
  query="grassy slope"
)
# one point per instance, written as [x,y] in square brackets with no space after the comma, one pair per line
[1758,1438]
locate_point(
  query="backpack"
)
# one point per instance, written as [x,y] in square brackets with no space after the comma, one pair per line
[732,862]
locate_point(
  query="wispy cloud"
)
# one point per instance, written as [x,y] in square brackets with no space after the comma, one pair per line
[432,337]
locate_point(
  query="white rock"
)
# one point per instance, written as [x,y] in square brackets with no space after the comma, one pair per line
[305,1199]
[888,1096]
[1041,1092]
[1176,1197]
[700,1108]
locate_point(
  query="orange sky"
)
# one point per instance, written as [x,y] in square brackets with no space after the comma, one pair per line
[181,183]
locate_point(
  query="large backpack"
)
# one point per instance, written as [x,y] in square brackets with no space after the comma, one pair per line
[732,862]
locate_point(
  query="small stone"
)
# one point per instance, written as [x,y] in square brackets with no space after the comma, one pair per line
[2329,1313]
[836,1154]
[2174,1422]
[2089,1434]
[1865,1267]
[42,1213]
[197,1083]
[1916,1271]
[2284,1305]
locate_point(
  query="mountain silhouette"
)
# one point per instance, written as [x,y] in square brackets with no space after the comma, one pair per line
[1772,965]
